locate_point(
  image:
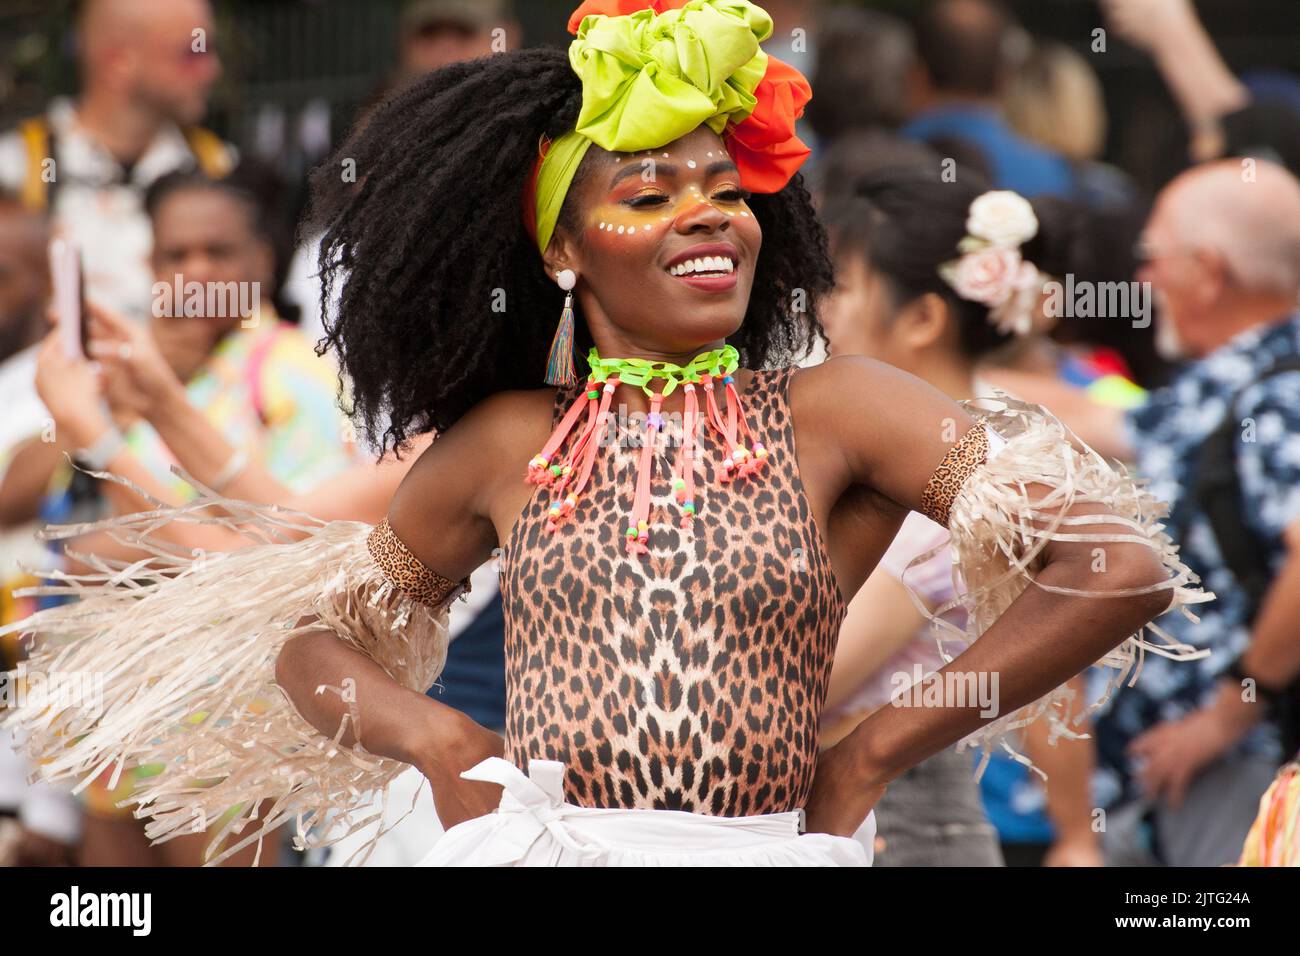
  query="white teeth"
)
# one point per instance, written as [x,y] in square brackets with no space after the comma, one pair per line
[707,264]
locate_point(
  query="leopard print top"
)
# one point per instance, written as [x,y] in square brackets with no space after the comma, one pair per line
[689,678]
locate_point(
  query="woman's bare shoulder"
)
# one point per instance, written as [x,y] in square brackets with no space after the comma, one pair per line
[850,389]
[443,509]
[889,428]
[848,376]
[499,433]
[517,418]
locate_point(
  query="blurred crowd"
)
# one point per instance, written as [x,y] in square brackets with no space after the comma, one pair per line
[1164,330]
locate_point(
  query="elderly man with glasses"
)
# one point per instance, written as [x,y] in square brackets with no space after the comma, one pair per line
[1189,750]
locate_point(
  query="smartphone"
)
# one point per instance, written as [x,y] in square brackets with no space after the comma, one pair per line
[67,277]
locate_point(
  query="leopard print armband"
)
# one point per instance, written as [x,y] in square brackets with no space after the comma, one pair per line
[971,451]
[408,573]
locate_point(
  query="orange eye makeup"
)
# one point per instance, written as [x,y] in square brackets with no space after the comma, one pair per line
[648,191]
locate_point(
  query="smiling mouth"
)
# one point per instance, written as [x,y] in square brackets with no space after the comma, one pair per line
[704,267]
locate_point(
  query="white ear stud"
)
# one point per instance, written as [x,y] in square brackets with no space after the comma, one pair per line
[566,279]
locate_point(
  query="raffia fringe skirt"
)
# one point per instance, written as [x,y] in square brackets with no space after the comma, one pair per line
[534,826]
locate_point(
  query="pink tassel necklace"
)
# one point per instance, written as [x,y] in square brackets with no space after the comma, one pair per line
[567,475]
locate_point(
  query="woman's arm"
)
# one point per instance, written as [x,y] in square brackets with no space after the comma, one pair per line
[27,479]
[394,722]
[440,518]
[204,452]
[210,633]
[1043,639]
[70,389]
[146,383]
[89,426]
[363,492]
[1199,80]
[880,622]
[1039,642]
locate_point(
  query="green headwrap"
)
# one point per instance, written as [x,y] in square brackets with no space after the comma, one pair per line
[648,79]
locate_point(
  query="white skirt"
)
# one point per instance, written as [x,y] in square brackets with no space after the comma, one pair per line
[534,826]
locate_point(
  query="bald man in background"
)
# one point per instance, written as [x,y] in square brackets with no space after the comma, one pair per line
[1193,747]
[146,70]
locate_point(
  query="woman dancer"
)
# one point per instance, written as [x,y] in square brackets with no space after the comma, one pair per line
[671,613]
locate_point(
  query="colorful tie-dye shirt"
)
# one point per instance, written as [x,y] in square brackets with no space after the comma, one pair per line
[269,394]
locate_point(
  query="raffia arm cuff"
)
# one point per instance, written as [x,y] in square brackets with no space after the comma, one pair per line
[204,635]
[971,451]
[1007,490]
[408,573]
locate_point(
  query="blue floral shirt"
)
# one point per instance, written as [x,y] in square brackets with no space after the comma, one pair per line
[1167,434]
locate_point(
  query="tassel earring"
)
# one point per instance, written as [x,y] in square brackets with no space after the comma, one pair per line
[559,365]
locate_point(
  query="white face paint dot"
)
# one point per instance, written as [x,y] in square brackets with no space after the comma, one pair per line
[647,228]
[709,154]
[620,230]
[690,164]
[665,155]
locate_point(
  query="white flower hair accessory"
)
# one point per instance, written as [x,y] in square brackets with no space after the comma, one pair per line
[991,270]
[1003,218]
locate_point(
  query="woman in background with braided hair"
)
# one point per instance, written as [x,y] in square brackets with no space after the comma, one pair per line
[673,592]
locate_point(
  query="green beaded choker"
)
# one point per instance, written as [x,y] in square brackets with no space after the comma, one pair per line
[716,364]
